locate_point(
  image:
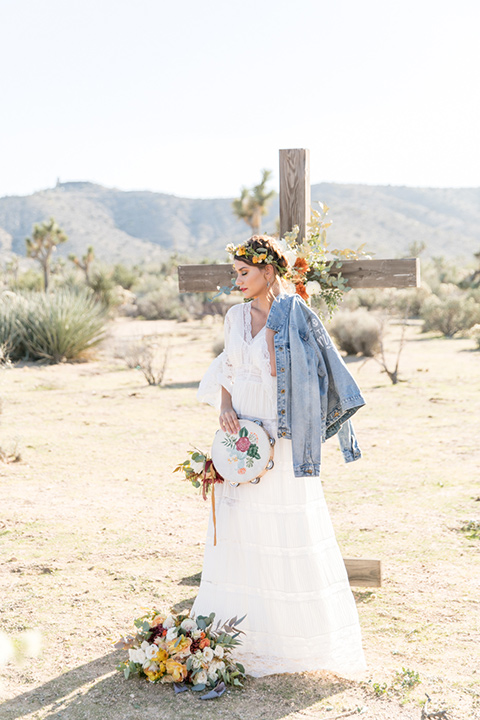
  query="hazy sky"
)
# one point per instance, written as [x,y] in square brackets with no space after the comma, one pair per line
[195,98]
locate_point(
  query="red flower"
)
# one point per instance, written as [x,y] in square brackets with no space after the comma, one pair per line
[301,265]
[243,444]
[301,290]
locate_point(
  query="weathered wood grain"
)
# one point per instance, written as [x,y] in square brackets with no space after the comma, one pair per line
[363,572]
[294,190]
[359,273]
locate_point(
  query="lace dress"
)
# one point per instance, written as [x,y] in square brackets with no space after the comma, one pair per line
[276,558]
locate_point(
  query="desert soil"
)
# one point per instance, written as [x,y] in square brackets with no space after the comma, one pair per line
[95,527]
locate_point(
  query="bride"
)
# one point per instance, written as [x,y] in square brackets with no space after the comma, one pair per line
[276,559]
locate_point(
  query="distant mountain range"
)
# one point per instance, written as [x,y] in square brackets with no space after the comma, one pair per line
[140,225]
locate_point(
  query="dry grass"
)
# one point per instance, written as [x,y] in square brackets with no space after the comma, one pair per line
[94,527]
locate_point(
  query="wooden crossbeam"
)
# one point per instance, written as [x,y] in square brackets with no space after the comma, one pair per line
[359,274]
[363,573]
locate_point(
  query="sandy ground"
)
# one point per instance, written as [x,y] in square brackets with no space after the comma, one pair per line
[94,527]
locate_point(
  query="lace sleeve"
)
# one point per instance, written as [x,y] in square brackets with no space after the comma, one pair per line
[220,373]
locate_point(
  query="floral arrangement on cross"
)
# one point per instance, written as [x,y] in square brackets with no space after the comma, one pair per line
[313,268]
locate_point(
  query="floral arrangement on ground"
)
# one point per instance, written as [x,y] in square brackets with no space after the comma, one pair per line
[187,651]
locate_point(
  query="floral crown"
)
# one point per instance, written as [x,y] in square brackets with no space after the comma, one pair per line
[261,256]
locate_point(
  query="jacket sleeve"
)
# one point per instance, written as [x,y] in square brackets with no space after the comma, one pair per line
[343,396]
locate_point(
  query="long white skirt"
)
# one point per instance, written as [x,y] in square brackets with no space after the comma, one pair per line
[277,561]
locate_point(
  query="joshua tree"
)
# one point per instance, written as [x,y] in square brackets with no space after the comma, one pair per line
[45,238]
[253,203]
[85,263]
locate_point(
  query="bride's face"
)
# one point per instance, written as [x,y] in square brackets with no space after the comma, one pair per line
[250,279]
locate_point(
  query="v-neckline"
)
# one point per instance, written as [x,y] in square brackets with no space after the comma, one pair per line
[248,325]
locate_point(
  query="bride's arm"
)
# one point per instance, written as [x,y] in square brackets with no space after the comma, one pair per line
[228,417]
[271,350]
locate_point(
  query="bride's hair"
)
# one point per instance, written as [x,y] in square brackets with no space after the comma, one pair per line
[258,243]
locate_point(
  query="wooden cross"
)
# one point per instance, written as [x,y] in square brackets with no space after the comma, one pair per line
[295,210]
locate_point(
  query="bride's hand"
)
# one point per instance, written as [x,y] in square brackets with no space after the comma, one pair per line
[229,421]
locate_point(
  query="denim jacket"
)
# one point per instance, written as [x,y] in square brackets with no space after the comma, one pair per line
[316,394]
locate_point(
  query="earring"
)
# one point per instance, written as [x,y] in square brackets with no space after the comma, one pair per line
[268,284]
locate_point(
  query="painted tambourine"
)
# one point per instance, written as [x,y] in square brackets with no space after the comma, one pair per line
[245,456]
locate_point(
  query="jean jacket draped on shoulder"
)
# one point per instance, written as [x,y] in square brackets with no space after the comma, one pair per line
[316,393]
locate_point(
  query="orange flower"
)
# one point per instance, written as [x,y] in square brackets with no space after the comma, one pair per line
[176,670]
[301,290]
[240,251]
[181,650]
[204,642]
[301,265]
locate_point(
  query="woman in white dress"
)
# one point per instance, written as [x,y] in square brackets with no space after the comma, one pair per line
[276,559]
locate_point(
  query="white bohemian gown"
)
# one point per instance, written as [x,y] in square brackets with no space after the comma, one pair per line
[276,558]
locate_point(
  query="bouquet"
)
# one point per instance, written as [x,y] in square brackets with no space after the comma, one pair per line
[200,470]
[183,650]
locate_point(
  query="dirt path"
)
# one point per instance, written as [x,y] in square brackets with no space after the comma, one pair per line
[94,527]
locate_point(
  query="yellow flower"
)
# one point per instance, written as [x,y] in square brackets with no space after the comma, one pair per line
[181,650]
[156,674]
[176,670]
[255,259]
[240,251]
[161,656]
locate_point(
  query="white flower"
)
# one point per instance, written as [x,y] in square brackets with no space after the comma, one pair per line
[171,634]
[212,676]
[149,665]
[282,244]
[219,652]
[196,466]
[208,654]
[169,623]
[151,651]
[216,666]
[313,287]
[189,625]
[291,256]
[137,655]
[201,678]
[197,634]
[196,663]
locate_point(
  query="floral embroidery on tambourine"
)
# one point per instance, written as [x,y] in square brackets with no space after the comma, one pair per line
[242,449]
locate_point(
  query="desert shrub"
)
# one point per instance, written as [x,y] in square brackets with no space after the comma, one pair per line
[62,325]
[29,280]
[450,314]
[103,286]
[356,332]
[162,304]
[124,276]
[475,334]
[12,313]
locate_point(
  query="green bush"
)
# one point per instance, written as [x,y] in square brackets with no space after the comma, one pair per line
[475,334]
[356,332]
[56,326]
[12,312]
[450,314]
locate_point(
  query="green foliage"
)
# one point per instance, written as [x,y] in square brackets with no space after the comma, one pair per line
[124,276]
[407,678]
[356,332]
[475,334]
[471,529]
[12,314]
[54,327]
[450,314]
[253,203]
[45,238]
